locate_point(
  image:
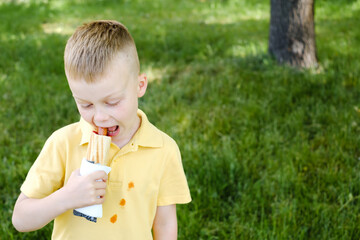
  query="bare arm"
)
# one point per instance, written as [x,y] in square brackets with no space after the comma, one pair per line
[31,214]
[165,223]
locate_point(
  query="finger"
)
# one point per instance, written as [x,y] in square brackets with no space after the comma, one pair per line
[76,172]
[100,185]
[100,200]
[98,175]
[97,200]
[100,192]
[105,178]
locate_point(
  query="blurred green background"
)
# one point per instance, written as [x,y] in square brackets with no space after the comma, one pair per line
[269,152]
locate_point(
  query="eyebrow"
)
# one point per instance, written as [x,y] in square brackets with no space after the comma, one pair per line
[79,99]
[110,96]
[114,95]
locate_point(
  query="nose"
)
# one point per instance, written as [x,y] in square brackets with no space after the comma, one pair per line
[100,116]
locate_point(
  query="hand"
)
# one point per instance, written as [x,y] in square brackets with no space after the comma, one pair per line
[85,190]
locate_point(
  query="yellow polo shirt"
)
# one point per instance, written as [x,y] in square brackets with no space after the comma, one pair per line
[145,173]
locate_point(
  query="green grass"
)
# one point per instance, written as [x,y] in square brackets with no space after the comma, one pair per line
[269,152]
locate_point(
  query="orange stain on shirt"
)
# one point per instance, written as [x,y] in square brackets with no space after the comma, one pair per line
[131,185]
[122,202]
[113,218]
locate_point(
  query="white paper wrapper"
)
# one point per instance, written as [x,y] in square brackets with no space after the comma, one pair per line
[87,168]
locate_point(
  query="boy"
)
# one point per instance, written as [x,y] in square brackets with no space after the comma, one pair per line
[146,179]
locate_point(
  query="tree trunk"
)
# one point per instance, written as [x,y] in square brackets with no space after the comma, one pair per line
[292,32]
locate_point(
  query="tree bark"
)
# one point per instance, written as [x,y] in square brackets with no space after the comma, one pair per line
[292,32]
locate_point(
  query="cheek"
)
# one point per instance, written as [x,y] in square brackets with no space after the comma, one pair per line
[122,111]
[118,112]
[86,115]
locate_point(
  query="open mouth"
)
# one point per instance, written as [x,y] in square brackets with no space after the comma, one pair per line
[113,131]
[110,131]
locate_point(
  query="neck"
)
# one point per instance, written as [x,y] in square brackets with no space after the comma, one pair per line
[126,137]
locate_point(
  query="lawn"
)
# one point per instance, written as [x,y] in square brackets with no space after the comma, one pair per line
[270,152]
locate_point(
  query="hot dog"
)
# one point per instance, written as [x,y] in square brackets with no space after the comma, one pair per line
[99,145]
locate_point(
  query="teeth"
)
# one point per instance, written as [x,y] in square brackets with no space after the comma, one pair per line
[114,130]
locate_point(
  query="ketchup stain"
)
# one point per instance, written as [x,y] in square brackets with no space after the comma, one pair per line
[113,218]
[122,202]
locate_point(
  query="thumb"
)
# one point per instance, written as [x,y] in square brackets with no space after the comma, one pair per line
[76,172]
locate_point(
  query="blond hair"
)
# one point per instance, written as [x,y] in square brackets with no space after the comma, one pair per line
[94,45]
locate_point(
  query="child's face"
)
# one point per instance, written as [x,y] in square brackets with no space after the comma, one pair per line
[112,101]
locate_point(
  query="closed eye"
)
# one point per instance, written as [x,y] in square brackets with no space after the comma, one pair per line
[85,105]
[112,103]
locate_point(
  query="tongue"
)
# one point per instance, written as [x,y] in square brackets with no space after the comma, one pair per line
[111,129]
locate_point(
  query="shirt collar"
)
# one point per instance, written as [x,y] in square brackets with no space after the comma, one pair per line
[146,136]
[86,130]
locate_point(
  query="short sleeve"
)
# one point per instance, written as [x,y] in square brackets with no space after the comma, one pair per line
[47,173]
[173,186]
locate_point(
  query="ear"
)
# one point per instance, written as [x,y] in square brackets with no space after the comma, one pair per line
[142,85]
